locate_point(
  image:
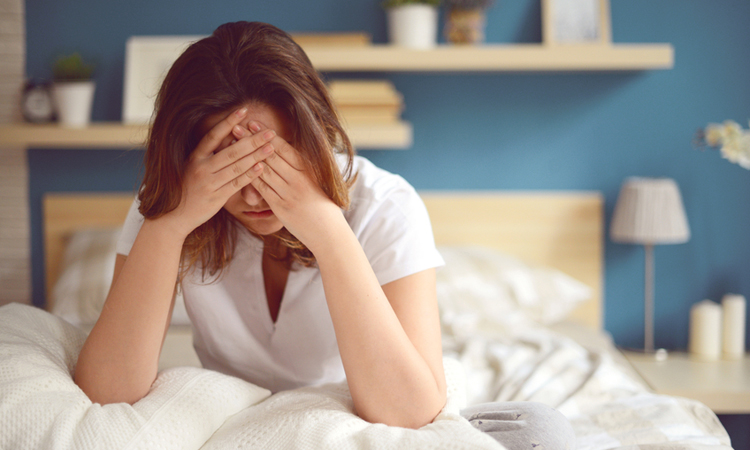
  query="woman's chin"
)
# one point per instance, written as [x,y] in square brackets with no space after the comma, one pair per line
[263,227]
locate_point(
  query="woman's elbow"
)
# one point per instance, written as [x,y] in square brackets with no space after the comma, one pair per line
[103,390]
[424,412]
[430,411]
[422,418]
[413,415]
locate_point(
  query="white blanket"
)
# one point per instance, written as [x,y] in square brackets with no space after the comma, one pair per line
[190,408]
[607,408]
[187,408]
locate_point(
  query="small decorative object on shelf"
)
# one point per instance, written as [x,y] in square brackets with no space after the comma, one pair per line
[466,21]
[73,90]
[730,138]
[412,23]
[37,105]
[566,22]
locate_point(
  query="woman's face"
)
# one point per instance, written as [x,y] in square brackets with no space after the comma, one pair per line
[247,205]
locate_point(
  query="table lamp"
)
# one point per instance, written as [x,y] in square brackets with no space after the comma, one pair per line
[649,211]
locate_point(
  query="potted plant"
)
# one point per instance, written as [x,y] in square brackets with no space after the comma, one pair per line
[412,23]
[466,21]
[73,90]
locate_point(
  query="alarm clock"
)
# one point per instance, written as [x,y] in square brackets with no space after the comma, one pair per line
[37,105]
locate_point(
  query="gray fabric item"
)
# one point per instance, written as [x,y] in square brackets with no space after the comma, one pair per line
[522,425]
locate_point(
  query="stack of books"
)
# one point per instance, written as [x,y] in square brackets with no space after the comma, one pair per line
[366,101]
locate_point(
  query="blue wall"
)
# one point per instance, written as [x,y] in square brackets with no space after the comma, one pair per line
[491,131]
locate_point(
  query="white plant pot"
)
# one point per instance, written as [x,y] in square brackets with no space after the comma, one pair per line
[413,26]
[73,100]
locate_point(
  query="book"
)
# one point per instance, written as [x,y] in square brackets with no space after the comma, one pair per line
[370,114]
[364,92]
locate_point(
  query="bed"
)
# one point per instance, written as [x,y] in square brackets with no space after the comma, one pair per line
[521,315]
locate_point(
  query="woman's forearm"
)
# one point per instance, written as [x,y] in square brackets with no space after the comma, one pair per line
[119,360]
[390,381]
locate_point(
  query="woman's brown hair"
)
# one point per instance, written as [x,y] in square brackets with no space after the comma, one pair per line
[240,63]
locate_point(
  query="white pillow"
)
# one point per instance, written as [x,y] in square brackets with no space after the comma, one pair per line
[88,265]
[481,285]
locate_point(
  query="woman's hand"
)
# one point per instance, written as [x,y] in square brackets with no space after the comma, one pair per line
[293,195]
[218,167]
[397,323]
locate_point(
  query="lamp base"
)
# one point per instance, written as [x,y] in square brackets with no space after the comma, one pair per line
[659,354]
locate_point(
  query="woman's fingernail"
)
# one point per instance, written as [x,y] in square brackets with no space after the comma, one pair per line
[238,131]
[257,167]
[268,149]
[241,112]
[254,126]
[268,135]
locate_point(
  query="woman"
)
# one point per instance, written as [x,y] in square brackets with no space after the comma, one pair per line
[300,264]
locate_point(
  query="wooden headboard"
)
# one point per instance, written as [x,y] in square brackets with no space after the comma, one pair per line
[65,213]
[563,229]
[560,229]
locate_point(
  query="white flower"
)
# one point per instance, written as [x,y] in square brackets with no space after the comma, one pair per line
[733,141]
[737,150]
[731,151]
[713,134]
[732,130]
[744,158]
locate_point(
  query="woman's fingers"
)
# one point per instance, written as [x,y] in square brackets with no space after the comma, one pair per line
[240,181]
[284,168]
[247,167]
[285,157]
[280,180]
[211,140]
[261,184]
[239,150]
[258,156]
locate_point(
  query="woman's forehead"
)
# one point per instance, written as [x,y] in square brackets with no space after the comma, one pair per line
[265,115]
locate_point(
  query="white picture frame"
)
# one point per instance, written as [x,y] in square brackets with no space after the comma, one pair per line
[576,22]
[147,61]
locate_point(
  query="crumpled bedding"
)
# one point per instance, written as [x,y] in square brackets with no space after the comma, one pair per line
[187,408]
[192,408]
[607,407]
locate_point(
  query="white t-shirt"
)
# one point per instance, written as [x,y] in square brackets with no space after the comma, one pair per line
[232,327]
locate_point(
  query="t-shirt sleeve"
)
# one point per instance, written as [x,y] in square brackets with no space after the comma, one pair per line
[396,234]
[130,229]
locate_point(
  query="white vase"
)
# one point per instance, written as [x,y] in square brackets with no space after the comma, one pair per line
[73,100]
[413,26]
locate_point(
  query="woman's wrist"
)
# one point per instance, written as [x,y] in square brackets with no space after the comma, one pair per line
[167,230]
[329,234]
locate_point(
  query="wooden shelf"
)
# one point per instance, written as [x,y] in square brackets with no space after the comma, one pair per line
[493,57]
[98,134]
[117,135]
[359,58]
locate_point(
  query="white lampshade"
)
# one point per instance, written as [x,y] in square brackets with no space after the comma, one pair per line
[649,211]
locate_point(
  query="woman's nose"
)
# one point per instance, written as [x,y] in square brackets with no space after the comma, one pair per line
[251,195]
